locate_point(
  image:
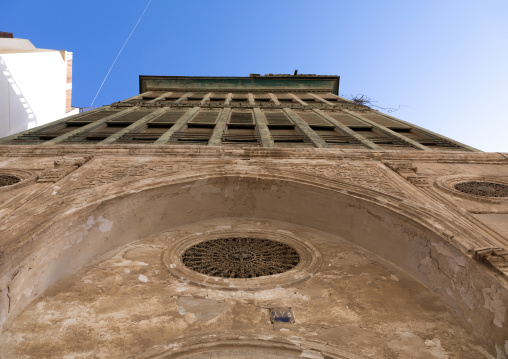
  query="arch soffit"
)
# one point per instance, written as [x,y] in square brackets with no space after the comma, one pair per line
[372,183]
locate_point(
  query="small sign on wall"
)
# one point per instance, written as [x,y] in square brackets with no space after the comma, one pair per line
[282,315]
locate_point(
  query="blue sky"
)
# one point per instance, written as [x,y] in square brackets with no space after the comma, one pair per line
[444,62]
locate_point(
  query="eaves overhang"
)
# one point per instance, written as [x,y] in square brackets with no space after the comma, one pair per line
[275,83]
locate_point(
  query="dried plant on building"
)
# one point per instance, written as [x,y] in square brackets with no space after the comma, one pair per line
[363,100]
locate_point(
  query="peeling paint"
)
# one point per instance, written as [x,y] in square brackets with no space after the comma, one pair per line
[104,224]
[311,354]
[203,309]
[122,262]
[89,223]
[457,263]
[495,304]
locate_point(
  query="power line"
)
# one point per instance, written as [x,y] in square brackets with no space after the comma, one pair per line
[117,56]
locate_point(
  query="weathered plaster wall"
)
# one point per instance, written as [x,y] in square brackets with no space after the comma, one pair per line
[356,305]
[79,211]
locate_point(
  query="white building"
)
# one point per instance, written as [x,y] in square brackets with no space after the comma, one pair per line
[35,85]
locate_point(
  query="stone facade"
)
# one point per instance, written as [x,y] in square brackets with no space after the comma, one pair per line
[401,239]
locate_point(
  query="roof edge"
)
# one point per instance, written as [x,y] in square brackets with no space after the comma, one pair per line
[267,82]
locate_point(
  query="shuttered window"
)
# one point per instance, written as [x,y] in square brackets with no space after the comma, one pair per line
[314,120]
[241,128]
[286,135]
[277,119]
[85,120]
[241,118]
[239,135]
[385,140]
[167,119]
[328,132]
[349,121]
[53,132]
[128,118]
[194,135]
[282,129]
[384,121]
[144,134]
[205,118]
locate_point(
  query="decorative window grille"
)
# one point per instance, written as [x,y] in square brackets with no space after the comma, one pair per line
[240,257]
[6,180]
[483,189]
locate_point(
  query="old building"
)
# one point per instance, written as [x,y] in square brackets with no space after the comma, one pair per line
[255,217]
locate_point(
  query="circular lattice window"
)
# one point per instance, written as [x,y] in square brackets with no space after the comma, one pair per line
[6,180]
[483,189]
[240,257]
